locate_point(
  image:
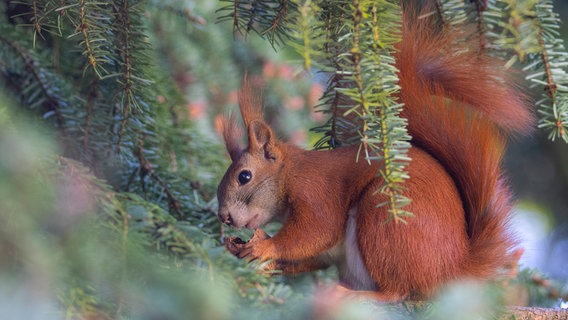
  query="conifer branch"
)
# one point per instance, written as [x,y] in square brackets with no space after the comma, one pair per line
[40,19]
[127,94]
[510,32]
[277,26]
[236,16]
[91,21]
[370,68]
[356,60]
[334,140]
[384,135]
[331,99]
[480,7]
[393,145]
[529,29]
[131,94]
[146,168]
[270,19]
[553,57]
[35,18]
[550,87]
[279,18]
[50,102]
[306,30]
[254,16]
[84,27]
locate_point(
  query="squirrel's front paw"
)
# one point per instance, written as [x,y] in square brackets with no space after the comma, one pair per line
[234,245]
[242,249]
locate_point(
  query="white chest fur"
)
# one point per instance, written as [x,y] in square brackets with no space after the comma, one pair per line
[347,257]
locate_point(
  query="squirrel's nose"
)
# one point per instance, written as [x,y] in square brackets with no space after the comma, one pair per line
[226,218]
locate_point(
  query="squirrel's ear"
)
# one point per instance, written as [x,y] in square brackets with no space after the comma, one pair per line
[262,139]
[227,127]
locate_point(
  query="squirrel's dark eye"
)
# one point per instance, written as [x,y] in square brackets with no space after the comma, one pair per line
[244,177]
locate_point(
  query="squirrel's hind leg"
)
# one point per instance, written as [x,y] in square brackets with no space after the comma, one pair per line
[415,258]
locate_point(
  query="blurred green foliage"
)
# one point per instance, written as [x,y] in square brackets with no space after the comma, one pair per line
[73,248]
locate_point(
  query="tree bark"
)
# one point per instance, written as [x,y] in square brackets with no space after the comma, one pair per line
[530,313]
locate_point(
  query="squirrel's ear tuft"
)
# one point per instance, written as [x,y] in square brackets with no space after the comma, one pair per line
[231,133]
[250,99]
[262,139]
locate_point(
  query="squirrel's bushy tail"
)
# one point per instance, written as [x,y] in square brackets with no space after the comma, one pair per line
[460,106]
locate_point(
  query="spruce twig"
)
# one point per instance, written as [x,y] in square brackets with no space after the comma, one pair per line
[51,102]
[553,57]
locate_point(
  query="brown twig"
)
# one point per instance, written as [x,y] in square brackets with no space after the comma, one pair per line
[127,91]
[282,13]
[551,87]
[481,6]
[147,169]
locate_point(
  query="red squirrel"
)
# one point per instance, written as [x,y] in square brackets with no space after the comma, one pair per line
[460,107]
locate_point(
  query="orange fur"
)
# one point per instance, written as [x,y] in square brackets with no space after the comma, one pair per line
[459,107]
[249,102]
